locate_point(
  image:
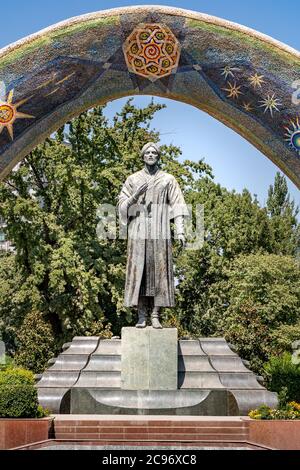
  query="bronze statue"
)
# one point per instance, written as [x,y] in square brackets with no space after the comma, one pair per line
[149,200]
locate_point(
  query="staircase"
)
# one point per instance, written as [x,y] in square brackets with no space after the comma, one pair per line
[154,431]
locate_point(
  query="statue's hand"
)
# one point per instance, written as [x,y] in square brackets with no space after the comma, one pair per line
[182,240]
[141,190]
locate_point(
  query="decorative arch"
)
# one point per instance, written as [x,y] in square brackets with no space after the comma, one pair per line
[243,78]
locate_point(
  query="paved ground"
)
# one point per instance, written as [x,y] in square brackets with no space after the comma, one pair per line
[95,447]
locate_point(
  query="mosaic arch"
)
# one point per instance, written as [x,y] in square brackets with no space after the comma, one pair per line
[246,80]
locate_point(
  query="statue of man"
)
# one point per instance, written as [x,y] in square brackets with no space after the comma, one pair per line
[149,200]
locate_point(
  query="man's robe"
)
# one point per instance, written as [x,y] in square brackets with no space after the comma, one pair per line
[162,202]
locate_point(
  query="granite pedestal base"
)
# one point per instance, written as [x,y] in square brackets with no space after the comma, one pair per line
[200,377]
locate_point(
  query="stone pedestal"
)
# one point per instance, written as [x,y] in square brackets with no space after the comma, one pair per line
[149,372]
[149,359]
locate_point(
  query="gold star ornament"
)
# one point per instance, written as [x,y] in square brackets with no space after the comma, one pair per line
[233,90]
[229,71]
[256,80]
[270,103]
[247,107]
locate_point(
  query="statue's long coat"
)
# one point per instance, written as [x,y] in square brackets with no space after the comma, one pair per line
[163,201]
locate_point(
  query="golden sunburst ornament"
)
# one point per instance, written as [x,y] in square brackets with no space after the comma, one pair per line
[270,103]
[9,113]
[233,90]
[256,80]
[292,135]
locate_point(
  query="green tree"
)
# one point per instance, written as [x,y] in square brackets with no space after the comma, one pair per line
[283,217]
[263,293]
[36,343]
[13,300]
[283,377]
[234,224]
[74,280]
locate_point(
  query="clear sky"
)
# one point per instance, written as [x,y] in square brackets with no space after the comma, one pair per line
[236,163]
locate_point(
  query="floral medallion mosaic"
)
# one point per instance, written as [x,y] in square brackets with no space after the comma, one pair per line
[152,51]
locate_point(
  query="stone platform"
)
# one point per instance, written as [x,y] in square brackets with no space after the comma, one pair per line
[113,432]
[89,377]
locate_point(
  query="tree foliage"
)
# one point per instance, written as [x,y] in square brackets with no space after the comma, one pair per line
[263,295]
[244,282]
[284,376]
[36,342]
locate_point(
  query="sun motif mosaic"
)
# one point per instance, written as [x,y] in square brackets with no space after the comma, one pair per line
[152,51]
[292,135]
[9,113]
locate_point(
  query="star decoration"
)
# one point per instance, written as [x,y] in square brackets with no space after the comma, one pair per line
[256,80]
[228,71]
[233,90]
[247,107]
[9,113]
[270,103]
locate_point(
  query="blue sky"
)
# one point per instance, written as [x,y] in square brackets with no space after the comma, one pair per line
[236,163]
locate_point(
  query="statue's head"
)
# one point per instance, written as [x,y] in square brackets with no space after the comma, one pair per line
[150,153]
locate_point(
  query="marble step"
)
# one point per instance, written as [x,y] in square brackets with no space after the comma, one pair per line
[155,429]
[199,380]
[97,379]
[82,345]
[194,363]
[101,363]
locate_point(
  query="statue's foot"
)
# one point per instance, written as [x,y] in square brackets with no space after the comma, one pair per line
[142,323]
[156,323]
